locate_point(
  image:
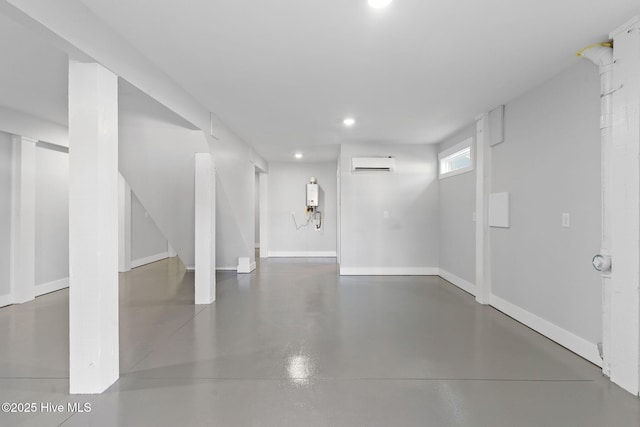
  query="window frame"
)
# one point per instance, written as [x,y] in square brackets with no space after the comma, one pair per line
[449,152]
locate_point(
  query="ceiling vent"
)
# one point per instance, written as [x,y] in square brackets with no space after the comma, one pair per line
[376,164]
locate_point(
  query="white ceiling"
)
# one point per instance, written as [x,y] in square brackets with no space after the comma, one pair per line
[137,108]
[283,73]
[34,80]
[33,75]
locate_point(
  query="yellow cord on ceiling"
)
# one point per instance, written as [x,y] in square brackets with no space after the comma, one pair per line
[605,44]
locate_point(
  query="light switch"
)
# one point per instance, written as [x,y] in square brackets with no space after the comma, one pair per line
[566,220]
[385,214]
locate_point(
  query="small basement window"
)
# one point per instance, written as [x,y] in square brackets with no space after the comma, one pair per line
[457,159]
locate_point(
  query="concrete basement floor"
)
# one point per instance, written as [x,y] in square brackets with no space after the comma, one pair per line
[294,344]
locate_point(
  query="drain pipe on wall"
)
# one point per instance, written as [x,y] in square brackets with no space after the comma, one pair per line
[601,54]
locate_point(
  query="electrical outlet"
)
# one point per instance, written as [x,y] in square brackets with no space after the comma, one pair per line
[566,220]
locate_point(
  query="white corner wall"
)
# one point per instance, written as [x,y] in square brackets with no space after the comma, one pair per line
[287,193]
[457,226]
[550,164]
[147,242]
[5,217]
[51,219]
[406,242]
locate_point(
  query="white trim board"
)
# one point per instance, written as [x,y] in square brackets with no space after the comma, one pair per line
[42,289]
[148,260]
[303,254]
[389,271]
[49,287]
[225,269]
[458,281]
[567,339]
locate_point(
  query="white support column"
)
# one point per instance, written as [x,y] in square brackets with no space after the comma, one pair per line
[23,220]
[124,225]
[264,215]
[93,228]
[483,188]
[624,303]
[205,228]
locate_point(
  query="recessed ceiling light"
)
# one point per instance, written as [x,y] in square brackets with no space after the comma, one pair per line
[349,121]
[298,155]
[379,4]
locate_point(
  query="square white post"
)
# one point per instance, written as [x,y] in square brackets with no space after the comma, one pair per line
[23,220]
[93,228]
[124,225]
[623,293]
[205,228]
[264,215]
[483,188]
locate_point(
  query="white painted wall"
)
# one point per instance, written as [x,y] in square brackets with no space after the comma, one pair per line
[287,193]
[406,242]
[51,216]
[457,227]
[146,239]
[5,213]
[550,164]
[157,153]
[235,164]
[157,162]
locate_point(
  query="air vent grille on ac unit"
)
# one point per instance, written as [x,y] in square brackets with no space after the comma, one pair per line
[376,164]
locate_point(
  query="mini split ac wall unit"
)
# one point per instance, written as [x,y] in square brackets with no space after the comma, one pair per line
[376,164]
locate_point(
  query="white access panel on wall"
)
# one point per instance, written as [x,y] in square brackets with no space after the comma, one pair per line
[499,210]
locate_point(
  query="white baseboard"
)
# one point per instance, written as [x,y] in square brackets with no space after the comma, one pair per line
[303,254]
[56,285]
[458,281]
[252,267]
[389,271]
[148,260]
[567,339]
[193,269]
[6,300]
